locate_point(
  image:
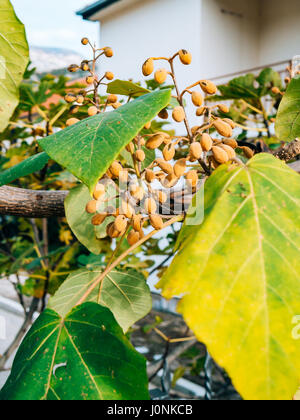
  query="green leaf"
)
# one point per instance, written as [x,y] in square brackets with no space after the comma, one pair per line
[239,274]
[84,356]
[14,58]
[80,221]
[125,293]
[28,166]
[150,157]
[88,148]
[240,88]
[267,79]
[288,116]
[126,88]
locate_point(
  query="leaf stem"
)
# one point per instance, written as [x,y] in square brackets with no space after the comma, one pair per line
[108,269]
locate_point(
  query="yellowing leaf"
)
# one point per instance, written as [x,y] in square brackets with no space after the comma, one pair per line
[239,274]
[65,236]
[14,57]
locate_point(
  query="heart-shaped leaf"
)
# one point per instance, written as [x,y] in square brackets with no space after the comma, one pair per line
[239,274]
[28,166]
[288,116]
[125,293]
[84,356]
[80,221]
[14,57]
[88,148]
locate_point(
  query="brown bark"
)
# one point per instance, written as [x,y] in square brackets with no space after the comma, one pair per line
[33,204]
[45,204]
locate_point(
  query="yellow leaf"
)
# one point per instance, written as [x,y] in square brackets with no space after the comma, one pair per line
[65,236]
[239,274]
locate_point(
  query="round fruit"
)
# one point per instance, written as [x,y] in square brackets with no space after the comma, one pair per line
[80,99]
[230,122]
[155,141]
[91,207]
[140,155]
[92,111]
[120,223]
[200,111]
[197,98]
[178,114]
[223,128]
[84,41]
[161,76]
[208,87]
[73,68]
[148,67]
[112,99]
[180,167]
[70,98]
[108,52]
[219,154]
[150,205]
[249,153]
[137,222]
[116,168]
[150,176]
[137,192]
[165,166]
[133,237]
[196,150]
[192,178]
[156,221]
[109,75]
[98,219]
[185,57]
[169,152]
[127,210]
[223,108]
[229,150]
[206,142]
[231,142]
[90,80]
[162,197]
[99,191]
[164,115]
[71,121]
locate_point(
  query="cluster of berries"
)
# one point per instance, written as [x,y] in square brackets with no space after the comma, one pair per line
[143,192]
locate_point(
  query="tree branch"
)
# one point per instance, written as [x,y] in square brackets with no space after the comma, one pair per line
[33,204]
[45,204]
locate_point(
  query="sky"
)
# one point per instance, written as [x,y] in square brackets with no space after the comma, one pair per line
[53,23]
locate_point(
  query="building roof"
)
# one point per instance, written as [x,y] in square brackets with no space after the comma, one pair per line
[89,11]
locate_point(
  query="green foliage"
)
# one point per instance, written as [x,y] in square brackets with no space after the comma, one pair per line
[244,87]
[125,293]
[55,362]
[288,118]
[13,61]
[88,148]
[28,166]
[238,272]
[81,222]
[126,88]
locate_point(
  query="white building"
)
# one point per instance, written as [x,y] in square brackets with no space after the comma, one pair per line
[224,36]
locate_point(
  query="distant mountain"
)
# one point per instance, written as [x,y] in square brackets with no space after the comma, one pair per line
[48,59]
